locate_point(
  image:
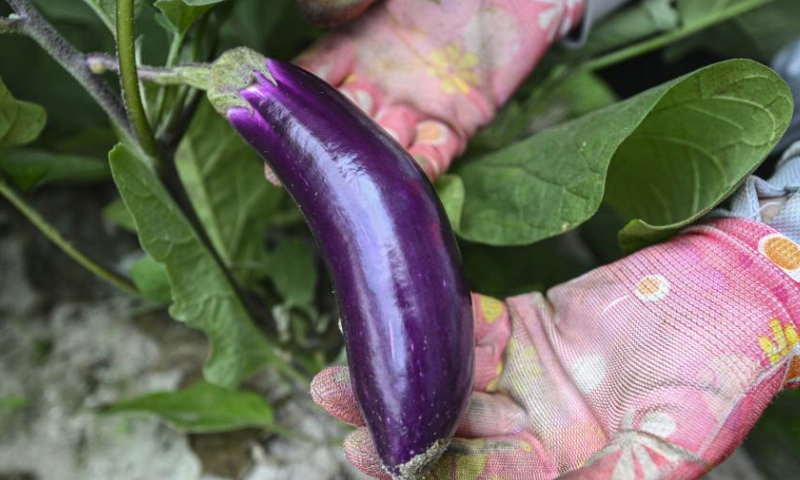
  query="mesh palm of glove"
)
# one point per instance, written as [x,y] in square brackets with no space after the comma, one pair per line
[654,367]
[432,72]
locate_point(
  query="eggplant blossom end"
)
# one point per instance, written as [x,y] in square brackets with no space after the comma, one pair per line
[419,463]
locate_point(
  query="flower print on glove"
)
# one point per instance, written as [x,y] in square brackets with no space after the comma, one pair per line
[432,73]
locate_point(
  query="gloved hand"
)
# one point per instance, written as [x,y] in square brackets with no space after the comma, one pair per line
[654,367]
[432,71]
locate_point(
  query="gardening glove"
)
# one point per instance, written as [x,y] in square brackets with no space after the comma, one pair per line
[433,72]
[654,367]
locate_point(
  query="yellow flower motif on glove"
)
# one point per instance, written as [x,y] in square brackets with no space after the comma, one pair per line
[454,68]
[782,341]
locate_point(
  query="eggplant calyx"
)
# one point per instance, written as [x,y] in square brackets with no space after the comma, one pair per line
[233,71]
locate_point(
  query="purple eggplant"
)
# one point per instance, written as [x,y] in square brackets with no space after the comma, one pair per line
[404,302]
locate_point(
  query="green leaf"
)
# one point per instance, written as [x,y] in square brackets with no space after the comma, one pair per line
[635,22]
[555,180]
[451,192]
[225,182]
[117,213]
[201,408]
[20,122]
[106,10]
[758,34]
[293,271]
[507,271]
[203,297]
[693,12]
[28,169]
[180,14]
[694,148]
[151,279]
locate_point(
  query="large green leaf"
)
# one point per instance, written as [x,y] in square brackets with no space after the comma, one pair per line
[225,181]
[28,169]
[450,189]
[201,408]
[555,180]
[106,10]
[203,297]
[293,271]
[20,122]
[150,277]
[579,93]
[180,15]
[117,213]
[694,148]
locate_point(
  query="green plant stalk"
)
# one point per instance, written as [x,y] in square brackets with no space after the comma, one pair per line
[129,79]
[669,37]
[35,26]
[50,232]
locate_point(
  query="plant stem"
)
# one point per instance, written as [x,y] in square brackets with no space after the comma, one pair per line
[669,37]
[102,62]
[34,25]
[129,78]
[50,232]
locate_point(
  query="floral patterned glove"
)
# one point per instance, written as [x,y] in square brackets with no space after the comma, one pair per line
[432,71]
[654,367]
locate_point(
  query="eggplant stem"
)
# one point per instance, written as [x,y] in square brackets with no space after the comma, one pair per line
[32,24]
[129,78]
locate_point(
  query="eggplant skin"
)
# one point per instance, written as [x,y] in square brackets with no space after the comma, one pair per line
[403,299]
[330,13]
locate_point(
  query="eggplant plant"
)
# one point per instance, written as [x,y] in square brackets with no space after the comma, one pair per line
[561,179]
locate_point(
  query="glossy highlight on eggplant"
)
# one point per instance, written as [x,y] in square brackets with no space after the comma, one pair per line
[404,303]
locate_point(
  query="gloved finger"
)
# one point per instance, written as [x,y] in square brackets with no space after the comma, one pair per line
[270,176]
[332,391]
[362,93]
[360,451]
[331,60]
[487,415]
[640,455]
[400,121]
[491,416]
[434,146]
[492,331]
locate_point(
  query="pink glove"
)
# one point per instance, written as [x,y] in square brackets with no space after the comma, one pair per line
[433,71]
[654,367]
